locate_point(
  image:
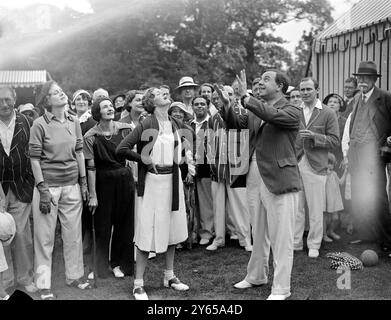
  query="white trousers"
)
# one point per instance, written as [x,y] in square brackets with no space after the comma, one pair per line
[273,227]
[222,194]
[314,190]
[68,209]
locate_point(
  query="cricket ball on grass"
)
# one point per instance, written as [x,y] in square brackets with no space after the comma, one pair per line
[369,258]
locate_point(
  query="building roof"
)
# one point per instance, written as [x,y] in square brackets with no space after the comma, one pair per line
[362,14]
[23,78]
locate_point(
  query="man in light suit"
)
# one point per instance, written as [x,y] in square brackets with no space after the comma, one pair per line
[369,128]
[273,180]
[319,134]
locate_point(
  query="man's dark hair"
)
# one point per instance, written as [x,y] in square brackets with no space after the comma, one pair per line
[281,79]
[352,80]
[203,97]
[316,83]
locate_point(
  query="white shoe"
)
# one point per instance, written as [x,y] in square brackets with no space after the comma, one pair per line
[176,284]
[313,253]
[118,273]
[90,276]
[214,247]
[139,293]
[5,298]
[248,248]
[234,237]
[278,296]
[204,242]
[243,285]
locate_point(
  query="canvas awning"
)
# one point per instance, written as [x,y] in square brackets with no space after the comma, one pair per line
[23,78]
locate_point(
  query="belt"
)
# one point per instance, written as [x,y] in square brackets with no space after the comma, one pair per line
[162,170]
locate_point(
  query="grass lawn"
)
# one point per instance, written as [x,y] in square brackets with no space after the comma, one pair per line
[211,275]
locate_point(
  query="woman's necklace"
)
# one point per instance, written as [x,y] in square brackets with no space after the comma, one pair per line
[107,137]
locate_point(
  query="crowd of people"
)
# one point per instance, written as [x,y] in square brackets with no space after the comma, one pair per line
[151,171]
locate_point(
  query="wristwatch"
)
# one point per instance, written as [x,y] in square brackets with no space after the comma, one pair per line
[242,99]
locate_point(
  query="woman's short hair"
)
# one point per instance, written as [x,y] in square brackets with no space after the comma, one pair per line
[203,97]
[148,100]
[130,95]
[41,94]
[95,109]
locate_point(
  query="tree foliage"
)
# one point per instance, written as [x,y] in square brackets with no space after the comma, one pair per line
[141,43]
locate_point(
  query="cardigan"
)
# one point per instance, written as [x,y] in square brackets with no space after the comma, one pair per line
[144,136]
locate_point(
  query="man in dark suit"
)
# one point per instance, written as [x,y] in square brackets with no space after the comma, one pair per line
[319,134]
[369,128]
[273,179]
[17,181]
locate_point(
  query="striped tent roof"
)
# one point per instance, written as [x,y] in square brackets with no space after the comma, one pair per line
[23,78]
[362,14]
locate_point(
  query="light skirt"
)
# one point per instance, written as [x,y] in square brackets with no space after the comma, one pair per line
[158,226]
[3,261]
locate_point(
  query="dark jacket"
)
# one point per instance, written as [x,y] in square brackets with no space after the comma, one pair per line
[136,137]
[273,140]
[324,124]
[380,113]
[15,169]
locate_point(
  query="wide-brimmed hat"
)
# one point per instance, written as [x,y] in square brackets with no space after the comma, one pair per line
[367,68]
[186,82]
[178,104]
[342,102]
[79,92]
[26,107]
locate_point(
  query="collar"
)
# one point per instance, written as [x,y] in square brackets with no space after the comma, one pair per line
[368,94]
[48,116]
[206,119]
[85,116]
[318,105]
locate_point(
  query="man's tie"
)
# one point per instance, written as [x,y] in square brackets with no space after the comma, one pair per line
[364,98]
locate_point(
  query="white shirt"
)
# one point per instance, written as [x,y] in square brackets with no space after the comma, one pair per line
[7,133]
[199,124]
[308,110]
[366,96]
[346,137]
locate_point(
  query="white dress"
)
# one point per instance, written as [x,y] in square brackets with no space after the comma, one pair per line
[157,225]
[3,261]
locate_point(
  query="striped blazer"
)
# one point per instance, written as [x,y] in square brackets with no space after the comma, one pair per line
[15,169]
